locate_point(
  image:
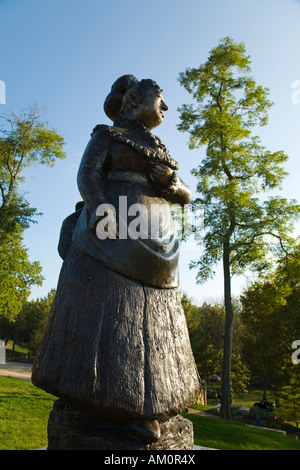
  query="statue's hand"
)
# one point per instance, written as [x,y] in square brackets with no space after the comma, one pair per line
[160,174]
[105,226]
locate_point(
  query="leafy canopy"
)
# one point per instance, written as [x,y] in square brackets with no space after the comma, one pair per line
[237,169]
[24,141]
[17,275]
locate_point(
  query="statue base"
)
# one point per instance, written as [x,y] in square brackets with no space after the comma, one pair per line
[71,428]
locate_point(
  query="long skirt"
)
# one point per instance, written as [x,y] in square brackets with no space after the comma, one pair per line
[115,346]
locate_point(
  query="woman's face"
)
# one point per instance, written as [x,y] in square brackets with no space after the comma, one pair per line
[151,108]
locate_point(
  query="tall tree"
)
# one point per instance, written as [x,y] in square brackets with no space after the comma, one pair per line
[241,228]
[24,141]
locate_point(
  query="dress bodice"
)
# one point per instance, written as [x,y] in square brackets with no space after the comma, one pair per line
[125,158]
[117,162]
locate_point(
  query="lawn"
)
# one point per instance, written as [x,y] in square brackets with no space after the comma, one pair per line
[20,349]
[24,413]
[232,435]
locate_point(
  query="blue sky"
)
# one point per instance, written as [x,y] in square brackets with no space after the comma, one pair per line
[65,54]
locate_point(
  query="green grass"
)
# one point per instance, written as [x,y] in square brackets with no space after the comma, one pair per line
[253,395]
[231,435]
[20,350]
[24,413]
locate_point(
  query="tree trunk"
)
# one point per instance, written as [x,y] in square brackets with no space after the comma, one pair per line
[265,390]
[226,382]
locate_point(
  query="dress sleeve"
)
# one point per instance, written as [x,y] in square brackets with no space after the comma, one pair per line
[90,174]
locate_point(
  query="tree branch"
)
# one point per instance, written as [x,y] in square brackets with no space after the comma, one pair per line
[260,234]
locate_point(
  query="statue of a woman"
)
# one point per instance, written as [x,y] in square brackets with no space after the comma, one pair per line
[116,343]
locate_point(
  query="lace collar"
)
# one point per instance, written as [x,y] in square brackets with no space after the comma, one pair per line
[155,150]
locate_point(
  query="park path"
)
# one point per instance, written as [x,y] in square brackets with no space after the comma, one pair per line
[16,370]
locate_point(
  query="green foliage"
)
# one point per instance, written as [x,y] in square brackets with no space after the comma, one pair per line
[227,101]
[206,328]
[206,325]
[17,274]
[237,169]
[29,324]
[242,229]
[24,141]
[270,313]
[289,398]
[17,214]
